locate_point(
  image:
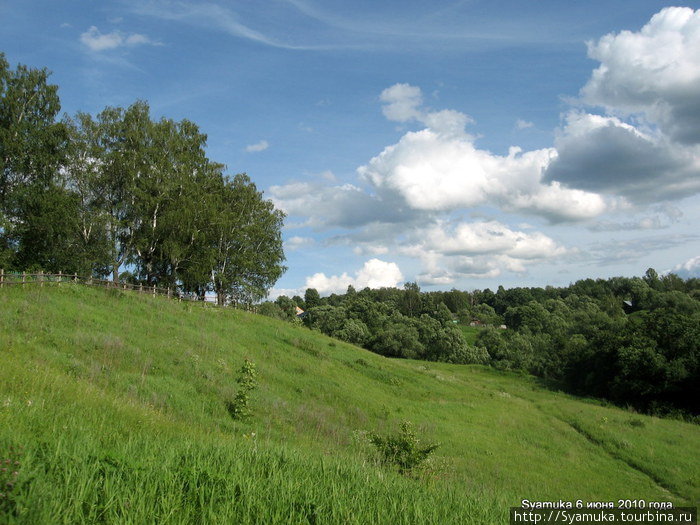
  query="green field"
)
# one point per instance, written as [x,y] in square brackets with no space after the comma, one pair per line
[114,407]
[469,332]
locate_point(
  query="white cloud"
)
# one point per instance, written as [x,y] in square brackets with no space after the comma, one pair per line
[374,274]
[688,269]
[97,41]
[488,237]
[439,169]
[401,102]
[258,146]
[654,71]
[296,242]
[608,168]
[477,250]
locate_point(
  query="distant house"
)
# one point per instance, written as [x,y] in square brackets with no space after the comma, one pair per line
[628,306]
[300,313]
[502,327]
[476,322]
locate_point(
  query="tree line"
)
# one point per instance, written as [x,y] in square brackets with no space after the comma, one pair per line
[124,195]
[633,341]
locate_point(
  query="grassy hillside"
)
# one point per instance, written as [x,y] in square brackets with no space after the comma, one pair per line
[114,407]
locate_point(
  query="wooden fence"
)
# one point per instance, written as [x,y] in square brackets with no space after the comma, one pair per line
[41,279]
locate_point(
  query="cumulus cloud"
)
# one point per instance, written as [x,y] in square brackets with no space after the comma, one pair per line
[610,170]
[440,169]
[401,102]
[374,273]
[654,71]
[343,205]
[488,237]
[688,269]
[258,146]
[98,41]
[477,250]
[651,76]
[604,154]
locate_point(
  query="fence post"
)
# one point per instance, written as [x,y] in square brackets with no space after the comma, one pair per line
[59,277]
[75,277]
[154,290]
[24,277]
[41,277]
[140,287]
[2,277]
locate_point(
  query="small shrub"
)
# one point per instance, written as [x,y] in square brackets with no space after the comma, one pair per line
[403,449]
[239,408]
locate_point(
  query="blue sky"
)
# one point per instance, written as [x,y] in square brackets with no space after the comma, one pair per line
[461,144]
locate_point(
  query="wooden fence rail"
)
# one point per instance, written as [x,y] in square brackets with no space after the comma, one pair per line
[41,278]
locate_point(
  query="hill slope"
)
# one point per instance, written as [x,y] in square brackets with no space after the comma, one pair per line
[118,401]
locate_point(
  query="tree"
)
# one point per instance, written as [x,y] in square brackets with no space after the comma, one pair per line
[312,298]
[410,300]
[247,242]
[32,150]
[107,159]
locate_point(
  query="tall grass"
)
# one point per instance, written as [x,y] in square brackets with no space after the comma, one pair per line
[119,403]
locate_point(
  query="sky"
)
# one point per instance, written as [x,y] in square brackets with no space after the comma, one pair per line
[455,143]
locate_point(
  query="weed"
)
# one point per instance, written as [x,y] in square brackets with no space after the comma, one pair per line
[239,408]
[402,449]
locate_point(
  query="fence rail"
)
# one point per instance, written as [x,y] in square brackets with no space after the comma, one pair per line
[41,278]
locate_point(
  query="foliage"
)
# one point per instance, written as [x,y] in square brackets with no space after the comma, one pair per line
[95,194]
[402,449]
[584,338]
[239,407]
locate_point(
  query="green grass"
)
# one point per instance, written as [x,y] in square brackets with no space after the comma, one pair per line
[470,332]
[119,403]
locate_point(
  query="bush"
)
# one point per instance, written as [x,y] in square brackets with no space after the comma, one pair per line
[403,449]
[239,408]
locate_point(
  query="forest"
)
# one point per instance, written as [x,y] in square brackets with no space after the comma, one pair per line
[632,341]
[125,195]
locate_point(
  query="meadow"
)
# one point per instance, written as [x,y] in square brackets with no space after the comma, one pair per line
[113,410]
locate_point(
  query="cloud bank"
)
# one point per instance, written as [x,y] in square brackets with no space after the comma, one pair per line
[373,274]
[630,143]
[654,72]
